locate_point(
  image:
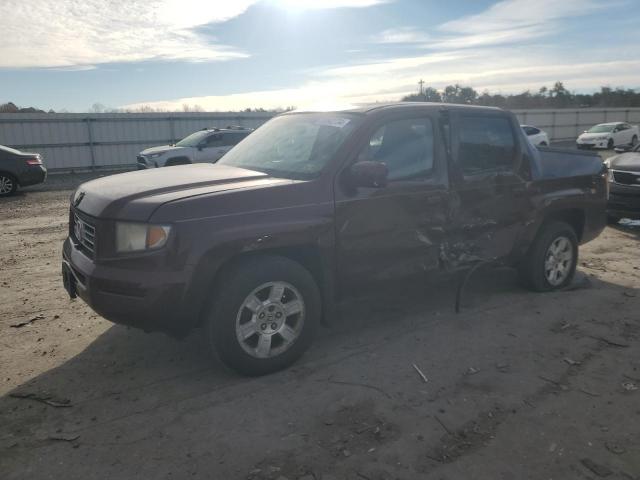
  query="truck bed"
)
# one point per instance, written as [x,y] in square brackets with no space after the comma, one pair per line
[560,162]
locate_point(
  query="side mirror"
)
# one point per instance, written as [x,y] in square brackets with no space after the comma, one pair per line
[368,173]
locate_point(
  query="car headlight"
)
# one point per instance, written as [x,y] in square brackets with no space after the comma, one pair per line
[138,237]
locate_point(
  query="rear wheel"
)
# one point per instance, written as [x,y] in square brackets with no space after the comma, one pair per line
[551,261]
[264,316]
[8,185]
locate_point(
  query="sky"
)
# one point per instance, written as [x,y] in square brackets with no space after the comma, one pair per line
[237,54]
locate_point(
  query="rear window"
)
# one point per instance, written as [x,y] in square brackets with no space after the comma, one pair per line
[485,144]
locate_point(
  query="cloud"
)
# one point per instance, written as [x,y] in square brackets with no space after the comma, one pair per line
[324,4]
[77,33]
[511,21]
[69,33]
[507,73]
[402,35]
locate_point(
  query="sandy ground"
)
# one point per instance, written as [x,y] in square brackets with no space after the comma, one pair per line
[520,385]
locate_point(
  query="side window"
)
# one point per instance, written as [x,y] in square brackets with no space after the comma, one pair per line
[213,140]
[405,146]
[231,139]
[485,144]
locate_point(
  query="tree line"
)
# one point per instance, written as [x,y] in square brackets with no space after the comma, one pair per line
[555,97]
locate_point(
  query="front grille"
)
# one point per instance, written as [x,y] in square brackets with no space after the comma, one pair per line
[626,178]
[141,159]
[84,233]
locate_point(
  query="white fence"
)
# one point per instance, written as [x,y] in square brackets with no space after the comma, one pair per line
[73,141]
[567,124]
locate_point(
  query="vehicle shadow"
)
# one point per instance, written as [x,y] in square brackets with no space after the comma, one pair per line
[124,377]
[15,197]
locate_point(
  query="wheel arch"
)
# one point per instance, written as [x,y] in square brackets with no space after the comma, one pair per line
[182,160]
[575,217]
[310,256]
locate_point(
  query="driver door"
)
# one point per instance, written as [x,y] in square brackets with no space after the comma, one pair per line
[394,231]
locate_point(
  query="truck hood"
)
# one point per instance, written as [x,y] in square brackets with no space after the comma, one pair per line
[629,161]
[162,149]
[136,195]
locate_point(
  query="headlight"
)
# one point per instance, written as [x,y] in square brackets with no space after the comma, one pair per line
[137,237]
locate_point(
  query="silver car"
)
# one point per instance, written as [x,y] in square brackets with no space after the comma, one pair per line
[204,146]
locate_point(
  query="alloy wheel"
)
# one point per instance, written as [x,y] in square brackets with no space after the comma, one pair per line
[558,261]
[270,319]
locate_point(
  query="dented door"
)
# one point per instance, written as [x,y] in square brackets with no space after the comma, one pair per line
[394,231]
[490,201]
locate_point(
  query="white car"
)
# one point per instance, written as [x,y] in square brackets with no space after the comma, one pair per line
[205,146]
[608,135]
[536,136]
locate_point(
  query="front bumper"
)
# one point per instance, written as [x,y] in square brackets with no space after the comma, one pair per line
[145,295]
[624,201]
[32,175]
[593,144]
[144,163]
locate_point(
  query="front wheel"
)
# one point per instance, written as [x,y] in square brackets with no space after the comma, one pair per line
[264,315]
[552,259]
[8,185]
[634,140]
[610,144]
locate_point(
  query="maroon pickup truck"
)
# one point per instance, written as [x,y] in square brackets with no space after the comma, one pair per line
[260,247]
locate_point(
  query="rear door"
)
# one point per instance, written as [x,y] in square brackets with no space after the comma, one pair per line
[489,198]
[395,231]
[211,149]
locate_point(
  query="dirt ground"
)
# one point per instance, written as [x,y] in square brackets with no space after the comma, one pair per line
[519,385]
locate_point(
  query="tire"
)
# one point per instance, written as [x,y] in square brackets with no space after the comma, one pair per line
[610,144]
[534,270]
[612,220]
[544,144]
[8,184]
[235,313]
[634,140]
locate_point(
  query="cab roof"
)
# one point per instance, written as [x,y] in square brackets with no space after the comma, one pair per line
[376,107]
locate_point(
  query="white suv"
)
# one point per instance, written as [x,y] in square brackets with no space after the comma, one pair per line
[205,146]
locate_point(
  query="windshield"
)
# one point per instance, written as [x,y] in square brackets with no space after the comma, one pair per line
[193,140]
[295,146]
[601,129]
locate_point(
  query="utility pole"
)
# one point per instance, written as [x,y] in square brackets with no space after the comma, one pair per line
[421,83]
